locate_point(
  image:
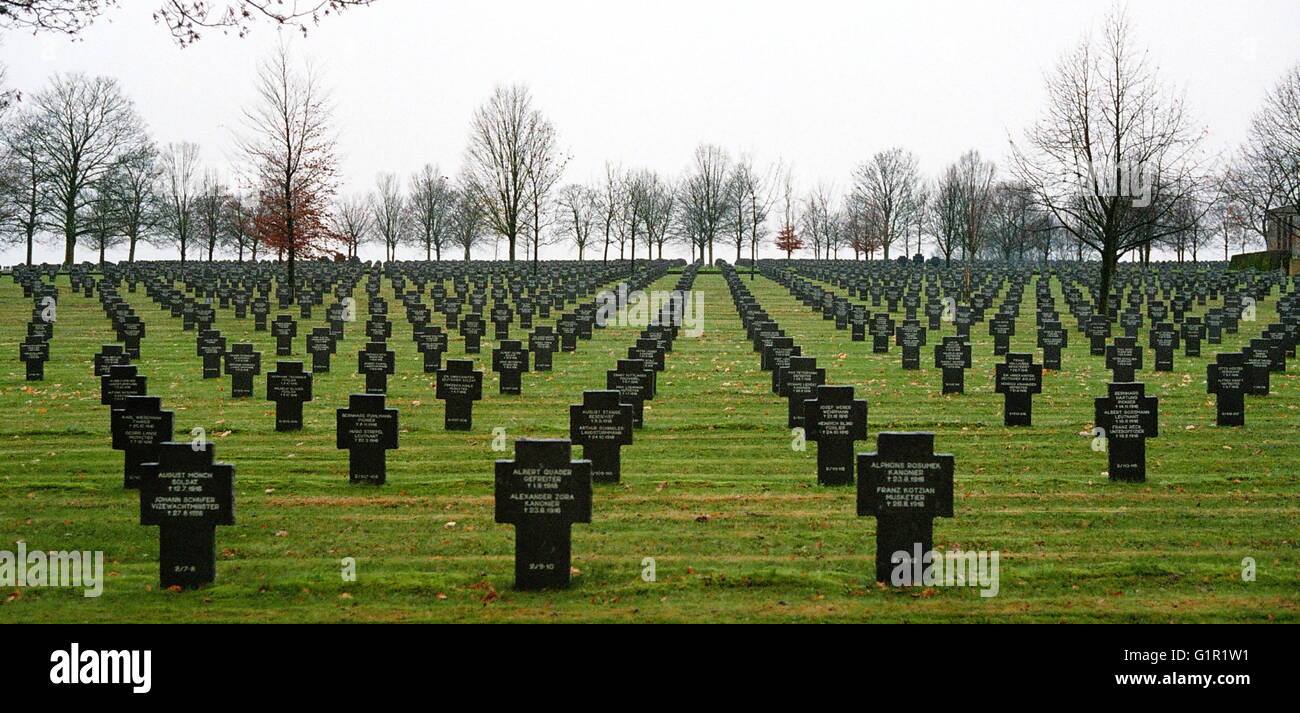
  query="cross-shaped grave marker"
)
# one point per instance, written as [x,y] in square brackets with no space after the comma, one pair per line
[542,493]
[367,431]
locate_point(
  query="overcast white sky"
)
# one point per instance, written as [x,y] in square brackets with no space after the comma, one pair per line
[822,85]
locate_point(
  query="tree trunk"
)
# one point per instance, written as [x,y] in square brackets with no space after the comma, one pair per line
[1108,260]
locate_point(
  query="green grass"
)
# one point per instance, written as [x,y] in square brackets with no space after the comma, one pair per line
[711,489]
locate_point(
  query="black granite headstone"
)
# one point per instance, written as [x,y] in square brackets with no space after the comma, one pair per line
[289,387]
[1018,379]
[834,420]
[1227,378]
[1128,417]
[460,386]
[510,360]
[139,427]
[367,431]
[953,355]
[904,485]
[376,361]
[542,493]
[602,424]
[187,495]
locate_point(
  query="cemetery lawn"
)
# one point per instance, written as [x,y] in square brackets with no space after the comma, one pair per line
[712,490]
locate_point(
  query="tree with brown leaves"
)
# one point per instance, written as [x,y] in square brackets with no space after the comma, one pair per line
[290,152]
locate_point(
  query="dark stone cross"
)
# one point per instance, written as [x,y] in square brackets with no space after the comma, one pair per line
[1124,358]
[368,431]
[139,427]
[284,329]
[1128,418]
[635,385]
[460,386]
[431,341]
[1259,358]
[834,420]
[376,361]
[858,317]
[122,381]
[110,355]
[776,355]
[1052,338]
[501,317]
[131,330]
[242,364]
[567,327]
[289,387]
[472,328]
[1163,341]
[1018,379]
[1193,333]
[542,493]
[321,343]
[1098,331]
[34,352]
[510,360]
[911,337]
[648,351]
[1227,378]
[1214,325]
[799,383]
[602,424]
[953,356]
[187,496]
[260,307]
[543,343]
[1281,337]
[882,328]
[904,485]
[212,347]
[378,329]
[1002,328]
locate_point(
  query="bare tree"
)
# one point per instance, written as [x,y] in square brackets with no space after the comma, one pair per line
[83,126]
[1114,152]
[947,215]
[888,188]
[467,222]
[389,213]
[738,223]
[1265,178]
[613,198]
[660,209]
[209,213]
[704,196]
[541,175]
[103,227]
[819,220]
[178,195]
[576,213]
[240,220]
[431,203]
[136,196]
[21,176]
[975,178]
[508,139]
[290,154]
[184,19]
[353,222]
